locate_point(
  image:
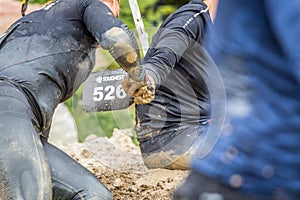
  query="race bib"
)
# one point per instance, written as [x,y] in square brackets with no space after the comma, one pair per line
[103,91]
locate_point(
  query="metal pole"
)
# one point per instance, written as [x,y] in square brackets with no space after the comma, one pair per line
[142,34]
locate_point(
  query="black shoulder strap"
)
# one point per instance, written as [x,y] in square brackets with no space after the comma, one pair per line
[24,7]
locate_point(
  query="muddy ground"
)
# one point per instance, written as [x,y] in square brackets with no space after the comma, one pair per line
[117,162]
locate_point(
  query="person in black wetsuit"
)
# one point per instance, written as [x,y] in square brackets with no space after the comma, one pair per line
[44,58]
[170,128]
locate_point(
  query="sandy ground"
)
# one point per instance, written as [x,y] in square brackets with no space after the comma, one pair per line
[116,161]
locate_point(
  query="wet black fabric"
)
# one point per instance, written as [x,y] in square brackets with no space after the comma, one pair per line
[54,51]
[70,180]
[178,62]
[31,169]
[44,58]
[24,168]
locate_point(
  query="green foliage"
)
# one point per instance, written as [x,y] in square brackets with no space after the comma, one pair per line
[39,1]
[98,123]
[153,12]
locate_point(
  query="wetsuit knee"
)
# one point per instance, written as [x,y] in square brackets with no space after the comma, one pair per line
[90,192]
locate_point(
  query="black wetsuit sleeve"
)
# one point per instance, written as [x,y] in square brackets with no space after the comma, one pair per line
[98,18]
[169,44]
[111,33]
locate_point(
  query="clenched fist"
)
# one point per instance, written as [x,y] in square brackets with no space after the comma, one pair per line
[142,91]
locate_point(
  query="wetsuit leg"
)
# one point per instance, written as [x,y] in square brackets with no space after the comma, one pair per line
[173,149]
[24,171]
[71,180]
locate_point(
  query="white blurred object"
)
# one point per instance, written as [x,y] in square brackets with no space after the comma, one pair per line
[63,130]
[139,25]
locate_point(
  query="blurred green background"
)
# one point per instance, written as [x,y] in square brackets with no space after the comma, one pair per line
[103,123]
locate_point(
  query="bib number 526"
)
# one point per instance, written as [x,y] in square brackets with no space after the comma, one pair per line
[110,92]
[103,91]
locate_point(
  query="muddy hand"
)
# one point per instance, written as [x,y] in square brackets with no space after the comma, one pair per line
[143,92]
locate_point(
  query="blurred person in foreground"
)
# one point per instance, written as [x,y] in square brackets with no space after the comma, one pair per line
[44,58]
[172,127]
[255,45]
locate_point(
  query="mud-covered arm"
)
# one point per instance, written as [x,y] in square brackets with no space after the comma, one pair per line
[123,47]
[113,35]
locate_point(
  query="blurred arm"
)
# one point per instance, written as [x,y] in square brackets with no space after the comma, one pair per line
[285,20]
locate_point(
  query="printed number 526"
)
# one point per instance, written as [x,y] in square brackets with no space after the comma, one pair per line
[109,92]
